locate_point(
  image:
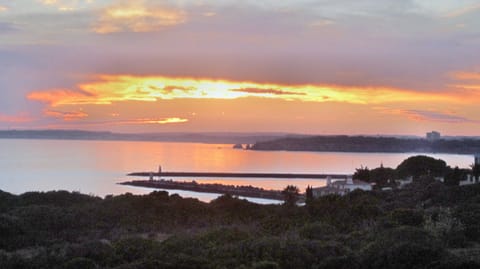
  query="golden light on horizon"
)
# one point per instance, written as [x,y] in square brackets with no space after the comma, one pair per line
[166,121]
[106,89]
[183,103]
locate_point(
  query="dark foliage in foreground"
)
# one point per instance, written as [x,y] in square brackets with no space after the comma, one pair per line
[426,225]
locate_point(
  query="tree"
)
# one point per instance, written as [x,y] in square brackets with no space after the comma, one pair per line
[308,195]
[290,194]
[362,173]
[418,166]
[309,199]
[383,176]
[453,177]
[476,170]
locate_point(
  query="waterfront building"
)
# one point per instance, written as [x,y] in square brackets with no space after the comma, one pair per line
[402,182]
[433,135]
[341,187]
[469,180]
[474,177]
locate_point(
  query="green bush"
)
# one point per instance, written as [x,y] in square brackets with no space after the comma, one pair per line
[318,231]
[406,216]
[80,263]
[265,265]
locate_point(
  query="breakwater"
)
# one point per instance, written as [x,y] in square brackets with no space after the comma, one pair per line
[237,175]
[245,191]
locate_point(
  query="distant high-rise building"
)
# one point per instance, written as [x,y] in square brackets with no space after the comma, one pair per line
[477,159]
[433,135]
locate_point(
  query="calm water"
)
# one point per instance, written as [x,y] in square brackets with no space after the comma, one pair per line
[94,167]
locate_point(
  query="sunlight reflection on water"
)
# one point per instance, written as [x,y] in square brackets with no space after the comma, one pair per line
[94,167]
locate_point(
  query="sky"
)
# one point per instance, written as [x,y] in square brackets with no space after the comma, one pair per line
[391,67]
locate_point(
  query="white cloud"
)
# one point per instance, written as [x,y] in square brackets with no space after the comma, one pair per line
[321,23]
[137,16]
[463,11]
[446,8]
[66,5]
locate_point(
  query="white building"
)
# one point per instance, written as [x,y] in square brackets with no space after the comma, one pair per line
[471,179]
[433,135]
[405,181]
[341,187]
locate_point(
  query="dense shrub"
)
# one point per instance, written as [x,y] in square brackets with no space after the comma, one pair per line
[421,226]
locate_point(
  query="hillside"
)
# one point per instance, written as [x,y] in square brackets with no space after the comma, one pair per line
[371,144]
[426,225]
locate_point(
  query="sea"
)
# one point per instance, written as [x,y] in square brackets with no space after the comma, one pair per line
[96,167]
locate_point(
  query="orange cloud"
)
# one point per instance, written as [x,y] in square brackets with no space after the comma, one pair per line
[140,121]
[466,75]
[106,89]
[3,8]
[63,96]
[66,116]
[467,86]
[470,81]
[427,115]
[136,16]
[15,118]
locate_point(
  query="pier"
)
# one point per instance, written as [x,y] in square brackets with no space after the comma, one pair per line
[238,175]
[245,191]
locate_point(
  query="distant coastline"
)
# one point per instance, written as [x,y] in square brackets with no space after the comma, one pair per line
[273,141]
[200,137]
[367,144]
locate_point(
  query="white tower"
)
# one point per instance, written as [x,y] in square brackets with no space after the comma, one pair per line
[329,180]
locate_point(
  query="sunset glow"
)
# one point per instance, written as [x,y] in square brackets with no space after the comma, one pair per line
[142,65]
[108,89]
[147,133]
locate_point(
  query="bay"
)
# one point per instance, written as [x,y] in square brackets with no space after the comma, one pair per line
[95,167]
